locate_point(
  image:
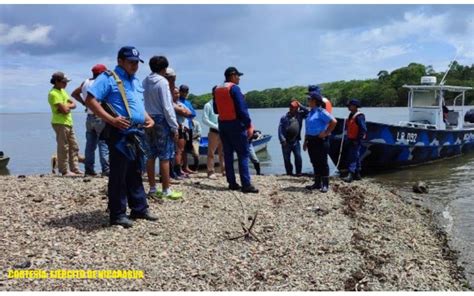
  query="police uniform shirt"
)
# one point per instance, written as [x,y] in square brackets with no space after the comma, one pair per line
[317,121]
[105,89]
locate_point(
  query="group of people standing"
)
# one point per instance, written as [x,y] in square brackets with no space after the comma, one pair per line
[131,121]
[319,123]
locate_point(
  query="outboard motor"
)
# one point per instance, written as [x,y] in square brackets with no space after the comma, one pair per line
[469,117]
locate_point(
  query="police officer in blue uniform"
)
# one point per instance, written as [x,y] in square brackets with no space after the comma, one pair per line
[235,129]
[319,125]
[126,118]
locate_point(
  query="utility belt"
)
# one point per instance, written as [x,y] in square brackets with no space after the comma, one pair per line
[213,130]
[316,138]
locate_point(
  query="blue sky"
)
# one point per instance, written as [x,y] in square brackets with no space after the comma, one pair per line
[274,45]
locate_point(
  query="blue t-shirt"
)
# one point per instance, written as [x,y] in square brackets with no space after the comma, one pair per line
[105,89]
[317,121]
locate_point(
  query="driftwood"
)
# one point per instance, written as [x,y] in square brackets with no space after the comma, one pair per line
[248,234]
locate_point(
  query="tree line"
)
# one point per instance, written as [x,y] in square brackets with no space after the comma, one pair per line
[384,91]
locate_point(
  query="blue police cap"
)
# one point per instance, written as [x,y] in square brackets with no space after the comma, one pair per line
[354,102]
[129,53]
[314,88]
[314,95]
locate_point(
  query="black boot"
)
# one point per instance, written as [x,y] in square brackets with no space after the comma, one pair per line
[257,168]
[349,178]
[357,176]
[325,187]
[316,185]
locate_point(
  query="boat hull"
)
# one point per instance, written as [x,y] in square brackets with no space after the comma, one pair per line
[259,144]
[4,162]
[391,146]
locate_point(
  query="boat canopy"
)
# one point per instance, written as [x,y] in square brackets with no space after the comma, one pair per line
[439,87]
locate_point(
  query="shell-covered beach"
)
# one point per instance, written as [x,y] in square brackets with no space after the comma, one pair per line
[358,236]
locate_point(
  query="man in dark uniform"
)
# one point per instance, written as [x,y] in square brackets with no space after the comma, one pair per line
[125,135]
[356,132]
[235,129]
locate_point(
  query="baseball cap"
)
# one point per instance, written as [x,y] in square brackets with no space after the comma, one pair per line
[232,70]
[129,53]
[170,72]
[354,102]
[99,68]
[183,88]
[59,76]
[315,96]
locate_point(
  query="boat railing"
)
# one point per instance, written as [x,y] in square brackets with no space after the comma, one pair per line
[417,124]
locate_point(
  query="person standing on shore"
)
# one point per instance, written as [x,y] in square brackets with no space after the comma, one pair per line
[319,124]
[182,112]
[253,155]
[160,138]
[94,127]
[356,132]
[235,129]
[210,119]
[188,147]
[289,134]
[126,117]
[61,106]
[196,143]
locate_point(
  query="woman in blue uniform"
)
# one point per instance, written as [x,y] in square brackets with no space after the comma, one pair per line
[319,124]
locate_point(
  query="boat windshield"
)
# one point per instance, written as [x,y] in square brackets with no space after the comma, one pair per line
[425,98]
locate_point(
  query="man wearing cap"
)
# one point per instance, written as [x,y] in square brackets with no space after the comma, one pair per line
[235,129]
[94,127]
[61,106]
[319,125]
[289,134]
[183,94]
[126,117]
[326,102]
[161,138]
[356,132]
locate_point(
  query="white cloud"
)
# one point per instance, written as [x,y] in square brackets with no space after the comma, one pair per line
[37,34]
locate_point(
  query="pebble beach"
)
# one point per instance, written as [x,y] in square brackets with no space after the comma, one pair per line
[356,237]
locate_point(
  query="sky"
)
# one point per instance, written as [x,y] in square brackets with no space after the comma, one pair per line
[273,45]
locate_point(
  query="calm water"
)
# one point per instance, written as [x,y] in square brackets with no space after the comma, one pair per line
[29,141]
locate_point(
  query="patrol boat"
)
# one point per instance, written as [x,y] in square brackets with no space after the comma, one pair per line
[434,130]
[3,161]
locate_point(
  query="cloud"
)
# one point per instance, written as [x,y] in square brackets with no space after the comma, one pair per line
[37,34]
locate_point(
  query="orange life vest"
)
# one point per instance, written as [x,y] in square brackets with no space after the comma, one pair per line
[224,102]
[328,105]
[352,127]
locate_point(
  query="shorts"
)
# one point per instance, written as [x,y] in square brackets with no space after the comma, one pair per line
[159,141]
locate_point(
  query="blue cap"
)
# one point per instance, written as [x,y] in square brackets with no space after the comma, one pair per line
[314,88]
[354,102]
[315,96]
[129,53]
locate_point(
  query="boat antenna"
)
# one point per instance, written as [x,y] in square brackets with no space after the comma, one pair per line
[449,68]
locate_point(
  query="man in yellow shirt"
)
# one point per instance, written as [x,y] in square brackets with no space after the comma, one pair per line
[61,106]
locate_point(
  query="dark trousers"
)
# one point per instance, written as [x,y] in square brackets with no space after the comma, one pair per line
[125,182]
[353,153]
[235,139]
[294,148]
[318,154]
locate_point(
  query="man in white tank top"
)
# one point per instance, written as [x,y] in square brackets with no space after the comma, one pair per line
[94,127]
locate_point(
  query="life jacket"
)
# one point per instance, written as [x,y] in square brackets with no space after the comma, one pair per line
[328,105]
[352,127]
[225,102]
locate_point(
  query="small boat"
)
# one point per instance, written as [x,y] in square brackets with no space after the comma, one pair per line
[3,160]
[259,144]
[433,132]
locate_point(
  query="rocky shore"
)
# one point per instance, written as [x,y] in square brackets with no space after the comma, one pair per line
[356,237]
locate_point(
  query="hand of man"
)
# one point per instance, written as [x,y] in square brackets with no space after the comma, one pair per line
[120,122]
[250,132]
[323,134]
[283,143]
[149,122]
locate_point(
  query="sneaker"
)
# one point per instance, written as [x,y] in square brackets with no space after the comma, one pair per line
[234,186]
[189,171]
[157,195]
[212,176]
[174,195]
[78,172]
[123,221]
[249,189]
[147,215]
